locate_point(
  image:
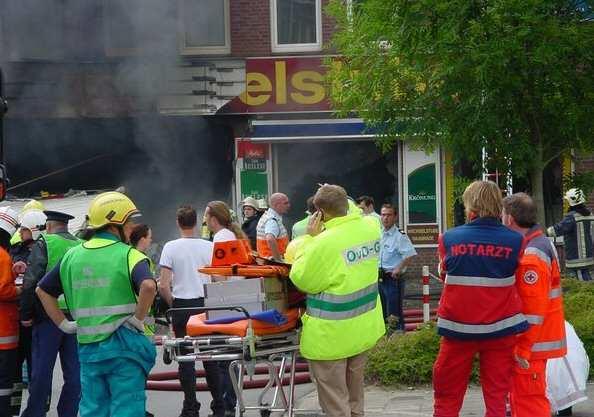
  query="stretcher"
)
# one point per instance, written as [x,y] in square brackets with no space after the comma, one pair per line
[246,344]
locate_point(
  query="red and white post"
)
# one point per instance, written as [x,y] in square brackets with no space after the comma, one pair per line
[426,305]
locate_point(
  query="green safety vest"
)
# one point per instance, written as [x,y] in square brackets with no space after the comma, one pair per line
[338,269]
[96,278]
[56,247]
[299,228]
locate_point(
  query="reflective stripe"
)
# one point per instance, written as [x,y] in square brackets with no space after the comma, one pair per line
[579,218]
[578,263]
[546,346]
[538,253]
[534,318]
[481,328]
[102,328]
[342,315]
[5,392]
[8,339]
[480,281]
[555,293]
[149,320]
[103,311]
[344,298]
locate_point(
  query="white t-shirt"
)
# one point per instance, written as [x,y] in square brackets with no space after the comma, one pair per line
[183,257]
[225,235]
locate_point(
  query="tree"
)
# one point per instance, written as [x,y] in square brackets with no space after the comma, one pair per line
[513,76]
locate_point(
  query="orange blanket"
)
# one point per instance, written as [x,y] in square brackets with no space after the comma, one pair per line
[197,327]
[247,270]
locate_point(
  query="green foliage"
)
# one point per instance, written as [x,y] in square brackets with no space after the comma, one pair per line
[578,301]
[582,180]
[513,76]
[405,359]
[460,184]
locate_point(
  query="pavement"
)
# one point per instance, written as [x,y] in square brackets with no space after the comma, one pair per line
[379,401]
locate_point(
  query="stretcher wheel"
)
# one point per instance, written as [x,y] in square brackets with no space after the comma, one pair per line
[265,413]
[167,359]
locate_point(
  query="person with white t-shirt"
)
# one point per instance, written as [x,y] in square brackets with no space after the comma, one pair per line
[182,286]
[219,222]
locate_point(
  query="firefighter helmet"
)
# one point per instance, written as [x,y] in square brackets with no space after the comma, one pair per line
[34,220]
[33,205]
[111,208]
[575,196]
[250,202]
[8,220]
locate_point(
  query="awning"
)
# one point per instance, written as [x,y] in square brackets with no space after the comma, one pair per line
[310,130]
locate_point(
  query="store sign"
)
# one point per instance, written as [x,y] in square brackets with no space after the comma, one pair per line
[422,196]
[423,234]
[282,85]
[254,184]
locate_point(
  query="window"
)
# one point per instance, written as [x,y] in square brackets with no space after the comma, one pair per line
[204,27]
[296,25]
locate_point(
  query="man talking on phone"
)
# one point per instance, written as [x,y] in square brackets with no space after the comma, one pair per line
[336,265]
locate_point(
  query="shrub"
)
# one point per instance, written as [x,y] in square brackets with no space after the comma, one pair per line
[578,301]
[404,359]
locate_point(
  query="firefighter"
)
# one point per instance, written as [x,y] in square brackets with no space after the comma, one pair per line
[9,316]
[48,340]
[480,309]
[251,216]
[577,229]
[109,289]
[272,236]
[337,268]
[538,280]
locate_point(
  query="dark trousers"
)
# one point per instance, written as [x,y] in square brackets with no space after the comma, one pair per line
[392,296]
[23,354]
[187,370]
[229,396]
[48,342]
[8,360]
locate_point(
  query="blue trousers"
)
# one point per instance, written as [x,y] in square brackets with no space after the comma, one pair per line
[392,295]
[113,388]
[48,342]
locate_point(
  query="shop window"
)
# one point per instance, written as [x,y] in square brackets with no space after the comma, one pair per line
[296,25]
[204,27]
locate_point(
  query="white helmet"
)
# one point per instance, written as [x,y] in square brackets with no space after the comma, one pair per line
[250,202]
[8,220]
[575,196]
[34,220]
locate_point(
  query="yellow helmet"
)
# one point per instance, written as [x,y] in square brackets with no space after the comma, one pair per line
[111,208]
[33,205]
[292,248]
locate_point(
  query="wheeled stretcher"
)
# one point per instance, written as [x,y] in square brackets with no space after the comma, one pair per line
[246,344]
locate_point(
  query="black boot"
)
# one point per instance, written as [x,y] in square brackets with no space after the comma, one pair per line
[190,409]
[565,412]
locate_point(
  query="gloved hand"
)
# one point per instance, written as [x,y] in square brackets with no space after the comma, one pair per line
[551,232]
[136,323]
[68,327]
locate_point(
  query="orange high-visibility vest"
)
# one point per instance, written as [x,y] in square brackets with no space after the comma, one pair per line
[9,314]
[282,240]
[539,284]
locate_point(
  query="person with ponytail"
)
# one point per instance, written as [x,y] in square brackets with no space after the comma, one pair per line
[219,222]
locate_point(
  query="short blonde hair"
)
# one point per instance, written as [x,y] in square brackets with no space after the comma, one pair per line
[332,199]
[483,198]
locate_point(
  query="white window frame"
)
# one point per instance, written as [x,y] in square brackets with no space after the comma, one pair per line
[204,50]
[295,47]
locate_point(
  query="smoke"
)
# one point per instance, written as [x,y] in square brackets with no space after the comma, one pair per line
[84,79]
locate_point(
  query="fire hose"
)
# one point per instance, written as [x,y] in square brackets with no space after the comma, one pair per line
[166,381]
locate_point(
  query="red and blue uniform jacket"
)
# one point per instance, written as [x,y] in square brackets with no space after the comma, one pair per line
[478,262]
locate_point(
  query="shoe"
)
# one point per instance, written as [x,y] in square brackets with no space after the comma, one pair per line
[147,414]
[190,409]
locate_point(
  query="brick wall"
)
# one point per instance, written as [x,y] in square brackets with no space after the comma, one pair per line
[585,163]
[250,27]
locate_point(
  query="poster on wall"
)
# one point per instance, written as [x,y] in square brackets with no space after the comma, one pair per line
[252,175]
[422,196]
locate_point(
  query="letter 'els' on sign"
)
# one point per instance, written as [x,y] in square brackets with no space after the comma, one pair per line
[530,277]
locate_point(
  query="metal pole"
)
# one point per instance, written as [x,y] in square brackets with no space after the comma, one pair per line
[426,305]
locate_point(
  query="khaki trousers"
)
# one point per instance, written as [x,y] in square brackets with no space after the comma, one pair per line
[340,385]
